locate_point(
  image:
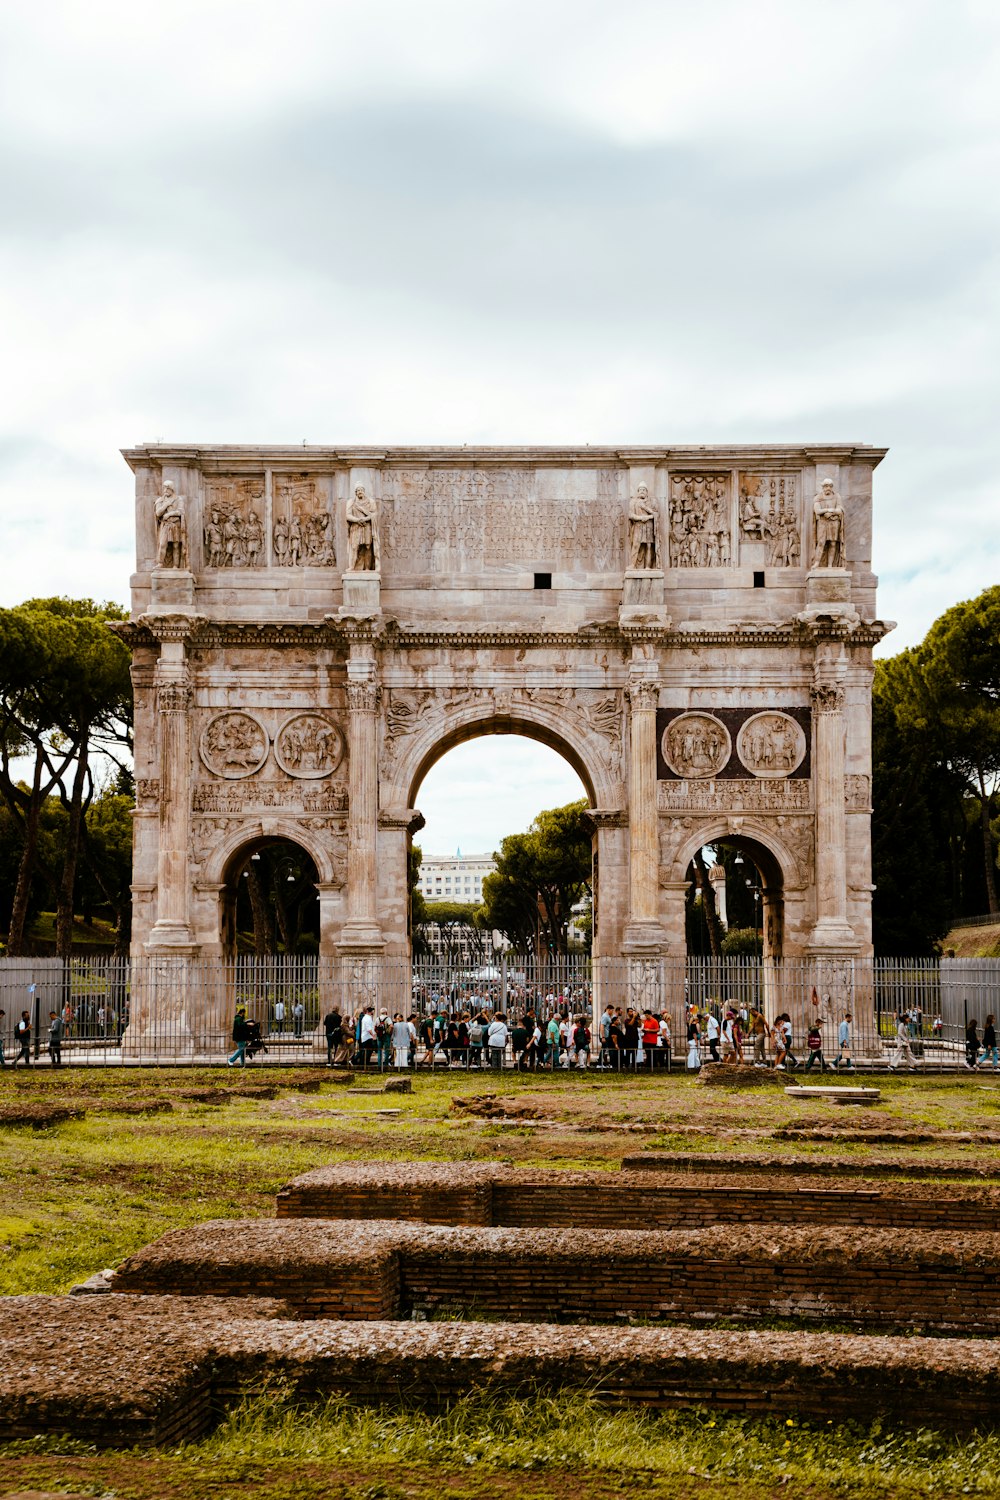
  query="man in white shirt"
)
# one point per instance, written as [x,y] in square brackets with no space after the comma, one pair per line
[496,1040]
[279,1015]
[369,1041]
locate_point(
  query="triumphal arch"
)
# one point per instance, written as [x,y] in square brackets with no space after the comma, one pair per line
[692,628]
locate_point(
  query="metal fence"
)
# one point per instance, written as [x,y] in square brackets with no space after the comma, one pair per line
[174,1011]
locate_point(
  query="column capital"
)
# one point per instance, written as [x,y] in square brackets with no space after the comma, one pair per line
[643,693]
[174,695]
[827,697]
[363,697]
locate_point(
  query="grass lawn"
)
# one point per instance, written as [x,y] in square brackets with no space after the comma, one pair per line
[82,1195]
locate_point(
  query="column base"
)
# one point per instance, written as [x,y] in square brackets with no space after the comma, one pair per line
[173,938]
[644,939]
[831,938]
[360,937]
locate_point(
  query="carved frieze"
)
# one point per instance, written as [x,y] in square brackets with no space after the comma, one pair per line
[147,792]
[700,523]
[302,531]
[234,744]
[858,793]
[437,520]
[771,745]
[308,746]
[275,796]
[696,745]
[736,795]
[233,522]
[769,513]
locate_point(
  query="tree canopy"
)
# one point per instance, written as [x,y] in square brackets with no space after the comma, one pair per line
[539,877]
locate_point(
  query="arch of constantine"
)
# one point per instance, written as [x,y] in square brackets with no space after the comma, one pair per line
[692,628]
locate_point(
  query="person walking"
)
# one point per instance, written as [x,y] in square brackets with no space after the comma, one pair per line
[650,1038]
[903,1043]
[989,1041]
[56,1024]
[383,1037]
[298,1018]
[712,1033]
[971,1042]
[694,1042]
[760,1031]
[553,1035]
[3,1017]
[814,1042]
[732,1038]
[241,1035]
[844,1043]
[279,1016]
[22,1036]
[784,1057]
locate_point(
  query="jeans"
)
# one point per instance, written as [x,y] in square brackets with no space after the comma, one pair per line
[815,1057]
[239,1056]
[496,1058]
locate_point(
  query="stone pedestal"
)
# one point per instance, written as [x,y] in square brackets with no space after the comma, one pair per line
[172,589]
[644,935]
[361,934]
[828,596]
[832,932]
[642,598]
[172,929]
[362,595]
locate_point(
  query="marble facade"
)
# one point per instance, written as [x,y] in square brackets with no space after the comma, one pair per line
[692,628]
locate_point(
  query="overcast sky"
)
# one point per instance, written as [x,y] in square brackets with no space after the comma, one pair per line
[552,221]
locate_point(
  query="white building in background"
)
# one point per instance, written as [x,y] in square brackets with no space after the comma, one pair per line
[456,877]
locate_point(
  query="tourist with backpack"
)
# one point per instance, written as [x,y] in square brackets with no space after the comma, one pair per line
[844,1043]
[581,1042]
[814,1042]
[22,1036]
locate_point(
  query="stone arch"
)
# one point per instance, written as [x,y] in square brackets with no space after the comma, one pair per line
[782,877]
[221,857]
[737,831]
[564,732]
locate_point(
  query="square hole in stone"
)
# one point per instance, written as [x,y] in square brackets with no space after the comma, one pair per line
[543,580]
[758,580]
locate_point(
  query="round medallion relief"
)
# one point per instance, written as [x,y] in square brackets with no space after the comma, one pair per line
[309,746]
[696,745]
[771,745]
[234,744]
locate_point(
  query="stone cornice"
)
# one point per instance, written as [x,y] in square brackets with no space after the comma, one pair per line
[389,635]
[232,458]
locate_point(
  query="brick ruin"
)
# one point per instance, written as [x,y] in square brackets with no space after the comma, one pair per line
[333,1300]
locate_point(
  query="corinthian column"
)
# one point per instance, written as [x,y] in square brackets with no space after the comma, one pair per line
[361,930]
[832,930]
[643,932]
[172,928]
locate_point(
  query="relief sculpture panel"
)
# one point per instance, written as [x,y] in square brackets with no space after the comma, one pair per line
[769,513]
[737,795]
[233,524]
[771,744]
[302,533]
[309,746]
[700,525]
[696,745]
[234,745]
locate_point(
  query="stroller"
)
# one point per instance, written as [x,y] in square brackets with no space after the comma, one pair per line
[256,1042]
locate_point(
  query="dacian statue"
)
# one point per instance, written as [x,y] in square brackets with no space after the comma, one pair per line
[828,519]
[363,554]
[170,538]
[641,530]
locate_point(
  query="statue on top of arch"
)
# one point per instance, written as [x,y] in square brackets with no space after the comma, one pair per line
[363,551]
[642,518]
[828,520]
